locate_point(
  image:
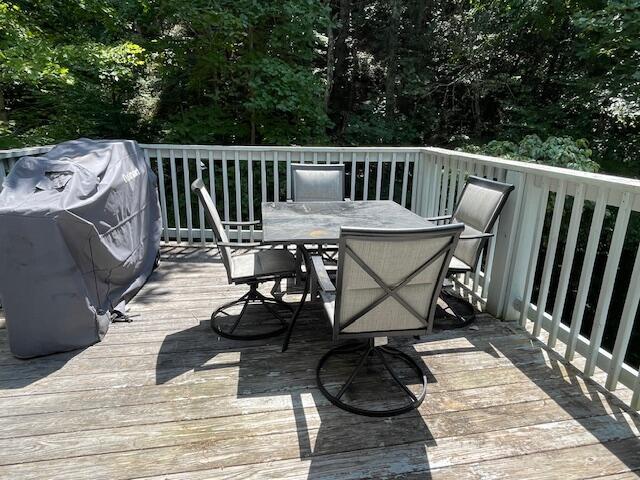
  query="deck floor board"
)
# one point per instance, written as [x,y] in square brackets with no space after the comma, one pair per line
[164,398]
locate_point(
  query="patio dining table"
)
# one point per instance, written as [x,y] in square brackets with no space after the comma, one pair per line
[304,223]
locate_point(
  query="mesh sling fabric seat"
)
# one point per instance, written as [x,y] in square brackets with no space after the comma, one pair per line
[317,183]
[479,207]
[388,283]
[250,268]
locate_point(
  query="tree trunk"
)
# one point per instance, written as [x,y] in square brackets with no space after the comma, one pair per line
[253,127]
[340,83]
[252,114]
[392,43]
[331,45]
[4,116]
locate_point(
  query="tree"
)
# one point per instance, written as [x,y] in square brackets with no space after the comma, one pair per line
[67,69]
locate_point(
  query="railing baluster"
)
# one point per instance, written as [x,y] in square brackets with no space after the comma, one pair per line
[200,208]
[405,180]
[425,179]
[626,326]
[225,188]
[443,186]
[462,170]
[415,191]
[533,259]
[315,158]
[238,182]
[378,177]
[558,210]
[635,400]
[452,185]
[392,177]
[476,276]
[3,175]
[276,180]
[608,280]
[365,195]
[436,170]
[567,264]
[174,193]
[250,192]
[437,179]
[586,272]
[163,196]
[263,177]
[288,175]
[489,263]
[187,194]
[353,175]
[212,178]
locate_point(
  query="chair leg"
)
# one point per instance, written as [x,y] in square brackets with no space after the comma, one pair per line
[251,297]
[296,314]
[369,350]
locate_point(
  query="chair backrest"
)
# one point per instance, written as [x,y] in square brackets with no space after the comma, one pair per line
[389,280]
[317,183]
[215,223]
[480,204]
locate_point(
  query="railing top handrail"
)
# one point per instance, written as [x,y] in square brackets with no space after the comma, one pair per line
[540,169]
[23,152]
[279,148]
[536,168]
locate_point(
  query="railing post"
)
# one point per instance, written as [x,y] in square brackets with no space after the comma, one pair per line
[416,186]
[513,239]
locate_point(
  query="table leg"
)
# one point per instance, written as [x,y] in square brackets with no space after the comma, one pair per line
[305,292]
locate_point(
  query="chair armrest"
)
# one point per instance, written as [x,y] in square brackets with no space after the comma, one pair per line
[476,236]
[239,245]
[240,224]
[440,218]
[320,270]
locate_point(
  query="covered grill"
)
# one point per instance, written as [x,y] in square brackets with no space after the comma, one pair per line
[79,235]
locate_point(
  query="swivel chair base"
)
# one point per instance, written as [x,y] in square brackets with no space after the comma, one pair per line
[459,311]
[253,296]
[370,351]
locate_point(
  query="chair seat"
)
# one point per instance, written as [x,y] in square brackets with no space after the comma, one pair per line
[263,264]
[458,266]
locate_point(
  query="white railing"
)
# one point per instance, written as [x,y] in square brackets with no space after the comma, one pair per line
[429,181]
[240,178]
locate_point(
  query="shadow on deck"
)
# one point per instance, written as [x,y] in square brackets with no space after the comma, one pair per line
[164,397]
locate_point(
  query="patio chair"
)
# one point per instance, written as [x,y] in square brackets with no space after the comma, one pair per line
[387,285]
[250,268]
[480,205]
[318,183]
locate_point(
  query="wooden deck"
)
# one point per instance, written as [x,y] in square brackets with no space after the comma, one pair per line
[164,398]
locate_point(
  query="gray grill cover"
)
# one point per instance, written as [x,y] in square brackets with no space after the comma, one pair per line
[79,234]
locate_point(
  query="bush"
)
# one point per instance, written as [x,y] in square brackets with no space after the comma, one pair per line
[555,151]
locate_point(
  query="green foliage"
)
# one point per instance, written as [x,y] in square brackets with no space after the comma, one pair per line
[382,72]
[557,151]
[250,63]
[67,69]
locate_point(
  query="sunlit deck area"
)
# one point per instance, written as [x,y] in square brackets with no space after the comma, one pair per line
[163,397]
